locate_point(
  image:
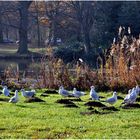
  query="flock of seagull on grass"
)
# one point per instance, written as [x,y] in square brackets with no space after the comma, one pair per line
[15,99]
[130,98]
[132,95]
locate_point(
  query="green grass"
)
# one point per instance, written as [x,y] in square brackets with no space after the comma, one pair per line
[52,120]
[11,49]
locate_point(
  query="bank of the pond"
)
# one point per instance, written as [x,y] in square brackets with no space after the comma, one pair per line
[30,55]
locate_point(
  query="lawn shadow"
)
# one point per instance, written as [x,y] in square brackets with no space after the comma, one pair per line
[71,105]
[2,129]
[76,100]
[100,97]
[131,106]
[138,99]
[120,98]
[4,100]
[94,104]
[67,103]
[44,95]
[110,108]
[33,99]
[50,92]
[94,111]
[12,94]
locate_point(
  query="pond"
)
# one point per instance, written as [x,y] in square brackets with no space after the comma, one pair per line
[23,65]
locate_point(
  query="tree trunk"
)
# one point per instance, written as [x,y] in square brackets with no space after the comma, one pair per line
[7,32]
[54,33]
[23,42]
[50,35]
[38,27]
[79,34]
[38,33]
[1,35]
[1,31]
[86,40]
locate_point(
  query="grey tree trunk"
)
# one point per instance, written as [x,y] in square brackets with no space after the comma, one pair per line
[38,33]
[23,29]
[87,41]
[1,35]
[38,26]
[54,33]
[1,30]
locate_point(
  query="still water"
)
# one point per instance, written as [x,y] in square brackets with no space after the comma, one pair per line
[20,64]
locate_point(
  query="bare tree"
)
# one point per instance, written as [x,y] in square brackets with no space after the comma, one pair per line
[84,14]
[23,29]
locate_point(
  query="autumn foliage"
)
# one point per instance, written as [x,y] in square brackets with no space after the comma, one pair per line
[120,72]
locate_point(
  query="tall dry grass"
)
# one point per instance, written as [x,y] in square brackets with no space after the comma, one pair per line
[123,64]
[120,72]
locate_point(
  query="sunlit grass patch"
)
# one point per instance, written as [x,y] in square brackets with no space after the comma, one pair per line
[52,120]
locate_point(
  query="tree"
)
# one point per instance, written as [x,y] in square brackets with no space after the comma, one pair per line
[1,29]
[52,12]
[129,16]
[1,21]
[23,27]
[83,12]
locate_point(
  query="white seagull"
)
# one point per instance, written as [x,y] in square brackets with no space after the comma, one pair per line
[5,91]
[137,89]
[14,99]
[93,93]
[28,94]
[63,92]
[112,100]
[132,97]
[77,94]
[126,99]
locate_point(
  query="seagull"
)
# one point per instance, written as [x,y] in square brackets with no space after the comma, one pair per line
[63,92]
[93,93]
[112,100]
[28,94]
[77,94]
[5,91]
[131,97]
[81,60]
[2,83]
[127,96]
[14,99]
[137,89]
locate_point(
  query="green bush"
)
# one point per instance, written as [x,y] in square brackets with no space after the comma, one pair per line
[70,52]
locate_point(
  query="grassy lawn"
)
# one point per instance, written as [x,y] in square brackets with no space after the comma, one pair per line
[7,49]
[10,49]
[52,120]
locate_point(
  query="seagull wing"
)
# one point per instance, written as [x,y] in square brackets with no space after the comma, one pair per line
[13,100]
[133,97]
[6,92]
[111,100]
[30,93]
[94,95]
[127,98]
[63,92]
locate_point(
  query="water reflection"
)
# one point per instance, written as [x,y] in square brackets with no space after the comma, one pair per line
[21,64]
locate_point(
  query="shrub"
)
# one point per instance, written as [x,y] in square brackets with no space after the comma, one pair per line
[71,52]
